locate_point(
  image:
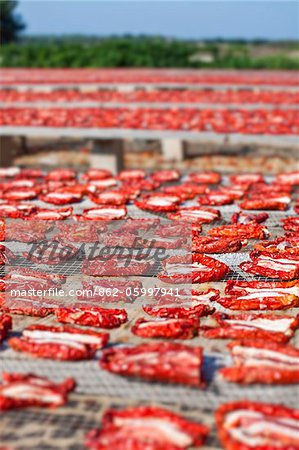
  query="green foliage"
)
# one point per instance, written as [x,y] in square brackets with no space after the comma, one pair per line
[112,52]
[142,51]
[10,23]
[276,62]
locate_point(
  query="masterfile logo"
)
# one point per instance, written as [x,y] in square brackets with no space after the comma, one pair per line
[105,262]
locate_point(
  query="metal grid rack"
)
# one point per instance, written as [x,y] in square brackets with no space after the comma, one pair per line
[66,427]
[233,260]
[97,390]
[94,381]
[73,267]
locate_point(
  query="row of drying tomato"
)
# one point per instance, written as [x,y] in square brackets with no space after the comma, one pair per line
[52,76]
[162,96]
[258,121]
[61,187]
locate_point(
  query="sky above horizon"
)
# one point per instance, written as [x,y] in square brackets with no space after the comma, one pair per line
[183,19]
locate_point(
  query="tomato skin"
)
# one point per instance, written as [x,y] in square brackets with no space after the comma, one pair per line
[113,432]
[227,330]
[269,410]
[46,388]
[161,368]
[92,316]
[215,271]
[262,372]
[55,350]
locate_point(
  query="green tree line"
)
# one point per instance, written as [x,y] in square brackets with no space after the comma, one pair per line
[140,51]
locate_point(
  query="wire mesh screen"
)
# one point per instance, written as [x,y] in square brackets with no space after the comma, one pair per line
[67,427]
[98,390]
[94,381]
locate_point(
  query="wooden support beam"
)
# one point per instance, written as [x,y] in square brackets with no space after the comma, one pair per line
[114,147]
[6,150]
[173,149]
[23,144]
